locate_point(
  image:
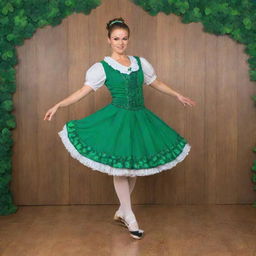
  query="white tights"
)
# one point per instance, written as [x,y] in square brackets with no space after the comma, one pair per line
[124,186]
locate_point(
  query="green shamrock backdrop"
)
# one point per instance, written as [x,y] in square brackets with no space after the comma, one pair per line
[19,20]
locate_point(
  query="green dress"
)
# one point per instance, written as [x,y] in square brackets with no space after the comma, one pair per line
[124,138]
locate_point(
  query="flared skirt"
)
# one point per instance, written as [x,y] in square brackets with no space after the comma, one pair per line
[122,142]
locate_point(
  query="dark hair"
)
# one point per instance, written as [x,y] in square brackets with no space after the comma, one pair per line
[110,27]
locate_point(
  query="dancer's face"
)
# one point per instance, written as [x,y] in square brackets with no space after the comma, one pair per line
[118,40]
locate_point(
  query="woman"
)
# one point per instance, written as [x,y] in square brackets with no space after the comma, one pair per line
[124,138]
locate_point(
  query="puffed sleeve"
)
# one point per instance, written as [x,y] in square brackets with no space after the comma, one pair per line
[148,70]
[95,76]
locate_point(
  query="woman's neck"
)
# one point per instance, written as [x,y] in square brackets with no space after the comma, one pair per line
[118,56]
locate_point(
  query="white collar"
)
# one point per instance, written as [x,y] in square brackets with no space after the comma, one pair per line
[123,69]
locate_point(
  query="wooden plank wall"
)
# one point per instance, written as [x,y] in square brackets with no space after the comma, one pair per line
[211,70]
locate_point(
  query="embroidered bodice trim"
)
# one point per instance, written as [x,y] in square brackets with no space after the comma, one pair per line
[123,69]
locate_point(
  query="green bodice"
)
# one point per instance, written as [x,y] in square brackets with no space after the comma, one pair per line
[126,89]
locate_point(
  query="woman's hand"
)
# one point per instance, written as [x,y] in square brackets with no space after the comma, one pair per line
[185,100]
[49,114]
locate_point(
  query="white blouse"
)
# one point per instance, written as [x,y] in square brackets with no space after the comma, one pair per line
[95,76]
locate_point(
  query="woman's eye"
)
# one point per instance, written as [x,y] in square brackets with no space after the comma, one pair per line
[118,39]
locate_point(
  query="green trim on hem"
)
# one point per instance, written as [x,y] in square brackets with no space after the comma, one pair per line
[162,157]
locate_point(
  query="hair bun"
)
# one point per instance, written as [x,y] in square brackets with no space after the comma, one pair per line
[115,21]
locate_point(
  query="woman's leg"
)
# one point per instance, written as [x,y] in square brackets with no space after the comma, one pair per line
[122,187]
[132,181]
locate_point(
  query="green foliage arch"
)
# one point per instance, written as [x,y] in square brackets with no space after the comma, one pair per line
[19,20]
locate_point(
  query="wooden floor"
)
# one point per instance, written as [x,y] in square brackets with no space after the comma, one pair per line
[169,230]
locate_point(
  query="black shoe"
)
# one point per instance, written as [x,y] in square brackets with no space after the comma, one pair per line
[137,234]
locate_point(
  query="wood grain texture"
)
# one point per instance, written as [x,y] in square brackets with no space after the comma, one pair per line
[86,230]
[210,69]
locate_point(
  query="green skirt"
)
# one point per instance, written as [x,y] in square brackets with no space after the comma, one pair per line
[123,142]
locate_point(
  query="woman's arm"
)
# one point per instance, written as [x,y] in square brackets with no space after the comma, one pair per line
[76,96]
[164,88]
